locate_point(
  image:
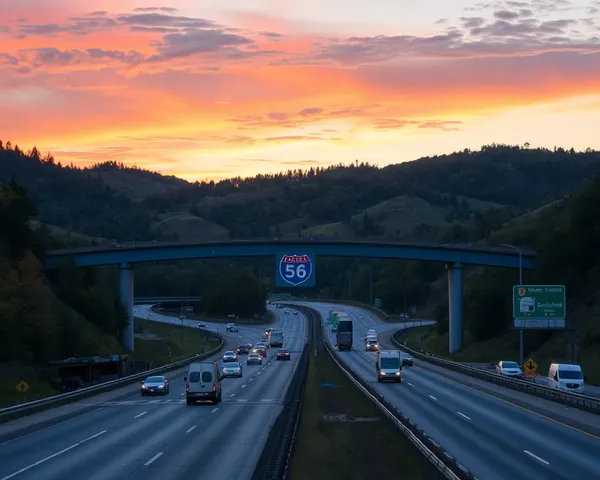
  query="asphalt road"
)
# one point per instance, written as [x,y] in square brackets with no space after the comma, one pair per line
[146,438]
[494,438]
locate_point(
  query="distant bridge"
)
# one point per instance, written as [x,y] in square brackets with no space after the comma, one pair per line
[454,256]
[154,300]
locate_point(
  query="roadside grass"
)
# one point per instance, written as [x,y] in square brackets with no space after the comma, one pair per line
[171,343]
[352,449]
[504,347]
[12,373]
[175,312]
[166,343]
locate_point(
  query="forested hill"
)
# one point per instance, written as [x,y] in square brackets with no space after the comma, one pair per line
[417,200]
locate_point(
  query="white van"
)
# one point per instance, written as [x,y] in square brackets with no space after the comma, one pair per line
[371,331]
[203,382]
[566,377]
[389,366]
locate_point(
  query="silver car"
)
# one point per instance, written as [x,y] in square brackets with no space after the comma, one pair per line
[232,370]
[158,385]
[254,359]
[230,356]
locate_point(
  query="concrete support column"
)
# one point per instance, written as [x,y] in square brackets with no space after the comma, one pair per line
[455,306]
[126,279]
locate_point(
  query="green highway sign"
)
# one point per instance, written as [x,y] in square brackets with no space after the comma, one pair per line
[539,301]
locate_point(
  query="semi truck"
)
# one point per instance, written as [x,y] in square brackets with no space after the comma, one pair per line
[343,336]
[276,338]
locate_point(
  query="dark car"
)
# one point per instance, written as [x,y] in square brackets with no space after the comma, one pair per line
[407,359]
[283,354]
[158,385]
[242,350]
[262,351]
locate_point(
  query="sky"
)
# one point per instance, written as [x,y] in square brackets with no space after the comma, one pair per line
[209,90]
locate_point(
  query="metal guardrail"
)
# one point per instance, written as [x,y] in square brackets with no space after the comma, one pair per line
[584,402]
[22,409]
[450,468]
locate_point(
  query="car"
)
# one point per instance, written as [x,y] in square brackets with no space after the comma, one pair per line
[283,354]
[242,350]
[229,356]
[260,345]
[202,325]
[231,327]
[407,359]
[157,385]
[509,369]
[262,351]
[268,330]
[254,359]
[232,370]
[295,312]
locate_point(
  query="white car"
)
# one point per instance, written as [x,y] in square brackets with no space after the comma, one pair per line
[230,356]
[201,325]
[232,370]
[509,369]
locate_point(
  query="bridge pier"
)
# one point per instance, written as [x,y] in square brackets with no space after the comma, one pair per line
[126,279]
[455,306]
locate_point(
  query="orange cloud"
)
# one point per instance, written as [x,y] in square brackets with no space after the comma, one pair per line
[93,85]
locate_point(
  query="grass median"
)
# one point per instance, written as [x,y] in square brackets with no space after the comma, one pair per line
[343,436]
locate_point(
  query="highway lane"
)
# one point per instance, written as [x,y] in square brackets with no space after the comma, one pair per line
[492,437]
[162,437]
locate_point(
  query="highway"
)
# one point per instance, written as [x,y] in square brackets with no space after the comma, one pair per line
[493,437]
[145,438]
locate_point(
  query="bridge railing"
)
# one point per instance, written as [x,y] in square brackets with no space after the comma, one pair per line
[22,409]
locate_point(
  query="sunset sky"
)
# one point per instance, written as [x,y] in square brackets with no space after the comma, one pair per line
[206,90]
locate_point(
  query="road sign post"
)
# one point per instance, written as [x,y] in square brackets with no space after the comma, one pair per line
[295,270]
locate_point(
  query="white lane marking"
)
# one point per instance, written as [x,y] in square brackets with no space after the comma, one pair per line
[190,429]
[140,415]
[463,415]
[433,398]
[154,401]
[250,379]
[54,455]
[535,457]
[267,400]
[153,459]
[167,401]
[258,373]
[410,384]
[232,395]
[214,410]
[242,400]
[182,394]
[243,386]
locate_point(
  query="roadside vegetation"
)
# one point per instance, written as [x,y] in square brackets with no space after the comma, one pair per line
[470,196]
[343,437]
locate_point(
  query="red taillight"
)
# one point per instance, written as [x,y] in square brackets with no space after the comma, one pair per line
[187,387]
[214,388]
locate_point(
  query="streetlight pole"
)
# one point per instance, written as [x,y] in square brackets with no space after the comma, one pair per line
[521,331]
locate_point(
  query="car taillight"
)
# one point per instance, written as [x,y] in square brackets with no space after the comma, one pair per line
[187,387]
[214,387]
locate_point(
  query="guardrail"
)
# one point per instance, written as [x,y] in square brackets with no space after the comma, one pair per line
[23,409]
[447,465]
[583,402]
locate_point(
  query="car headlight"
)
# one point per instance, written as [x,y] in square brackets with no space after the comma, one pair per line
[398,373]
[144,387]
[161,386]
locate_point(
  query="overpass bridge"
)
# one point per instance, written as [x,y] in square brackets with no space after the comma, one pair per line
[153,300]
[456,257]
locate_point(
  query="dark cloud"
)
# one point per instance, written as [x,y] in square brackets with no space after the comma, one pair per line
[53,56]
[472,22]
[177,45]
[506,15]
[306,112]
[75,26]
[56,57]
[156,9]
[160,20]
[271,35]
[6,59]
[129,57]
[99,13]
